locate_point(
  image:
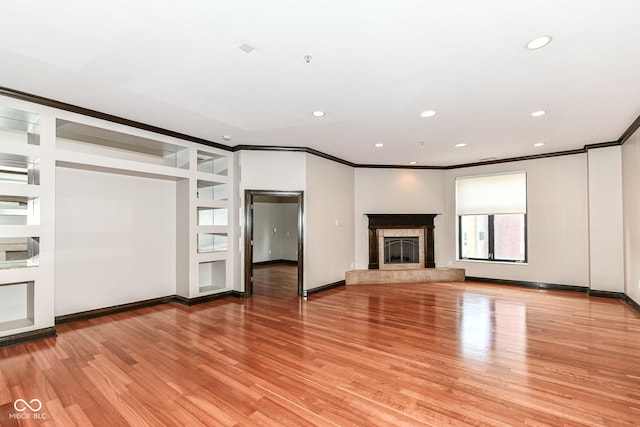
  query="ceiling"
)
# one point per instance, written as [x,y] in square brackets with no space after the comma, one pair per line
[375,66]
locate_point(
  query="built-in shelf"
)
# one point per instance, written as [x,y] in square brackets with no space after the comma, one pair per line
[203,177]
[97,141]
[212,220]
[16,305]
[210,190]
[212,163]
[17,252]
[212,242]
[212,276]
[18,126]
[19,169]
[19,210]
[212,216]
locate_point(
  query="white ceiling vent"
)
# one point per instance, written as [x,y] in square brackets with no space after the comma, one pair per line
[246,48]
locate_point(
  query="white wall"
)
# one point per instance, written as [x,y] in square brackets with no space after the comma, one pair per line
[115,239]
[267,170]
[329,211]
[631,211]
[272,170]
[556,216]
[281,244]
[605,219]
[398,191]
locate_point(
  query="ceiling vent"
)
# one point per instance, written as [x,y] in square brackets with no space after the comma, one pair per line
[246,48]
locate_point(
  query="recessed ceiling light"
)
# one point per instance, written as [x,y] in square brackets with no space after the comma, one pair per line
[226,137]
[538,113]
[538,144]
[318,114]
[539,42]
[413,163]
[462,144]
[378,145]
[428,113]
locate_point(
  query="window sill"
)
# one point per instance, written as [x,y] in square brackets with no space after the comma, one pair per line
[482,261]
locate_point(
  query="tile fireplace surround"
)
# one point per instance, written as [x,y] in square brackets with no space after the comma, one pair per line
[400,232]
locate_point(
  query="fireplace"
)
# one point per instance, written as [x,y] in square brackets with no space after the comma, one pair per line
[401,241]
[401,250]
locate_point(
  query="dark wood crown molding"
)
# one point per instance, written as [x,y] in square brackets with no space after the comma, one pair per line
[630,130]
[293,149]
[162,131]
[519,159]
[602,145]
[48,102]
[417,167]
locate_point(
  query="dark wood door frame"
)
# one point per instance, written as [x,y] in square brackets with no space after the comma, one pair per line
[248,235]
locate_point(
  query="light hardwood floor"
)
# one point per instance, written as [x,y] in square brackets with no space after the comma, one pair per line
[413,354]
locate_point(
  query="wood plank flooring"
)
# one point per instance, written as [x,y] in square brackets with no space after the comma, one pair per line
[391,355]
[275,280]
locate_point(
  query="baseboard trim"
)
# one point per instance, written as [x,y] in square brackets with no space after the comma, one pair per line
[25,337]
[277,261]
[90,314]
[333,285]
[631,303]
[199,300]
[607,294]
[536,285]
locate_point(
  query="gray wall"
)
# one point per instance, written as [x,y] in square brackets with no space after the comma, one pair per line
[275,231]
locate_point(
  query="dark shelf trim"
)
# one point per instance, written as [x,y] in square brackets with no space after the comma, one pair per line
[26,337]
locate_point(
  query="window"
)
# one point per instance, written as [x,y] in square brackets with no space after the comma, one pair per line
[492,217]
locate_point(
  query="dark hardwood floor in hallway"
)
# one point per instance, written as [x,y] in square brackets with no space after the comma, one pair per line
[398,355]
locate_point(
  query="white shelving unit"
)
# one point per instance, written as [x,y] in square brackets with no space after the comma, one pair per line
[202,242]
[211,215]
[37,143]
[21,278]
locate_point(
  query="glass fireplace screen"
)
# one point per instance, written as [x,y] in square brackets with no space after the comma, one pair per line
[401,250]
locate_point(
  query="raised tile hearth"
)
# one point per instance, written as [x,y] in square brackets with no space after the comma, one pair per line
[375,277]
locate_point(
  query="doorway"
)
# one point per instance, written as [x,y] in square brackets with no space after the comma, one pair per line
[258,233]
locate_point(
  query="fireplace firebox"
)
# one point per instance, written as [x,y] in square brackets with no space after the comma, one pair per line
[410,238]
[401,250]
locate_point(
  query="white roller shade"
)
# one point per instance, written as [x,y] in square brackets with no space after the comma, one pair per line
[492,194]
